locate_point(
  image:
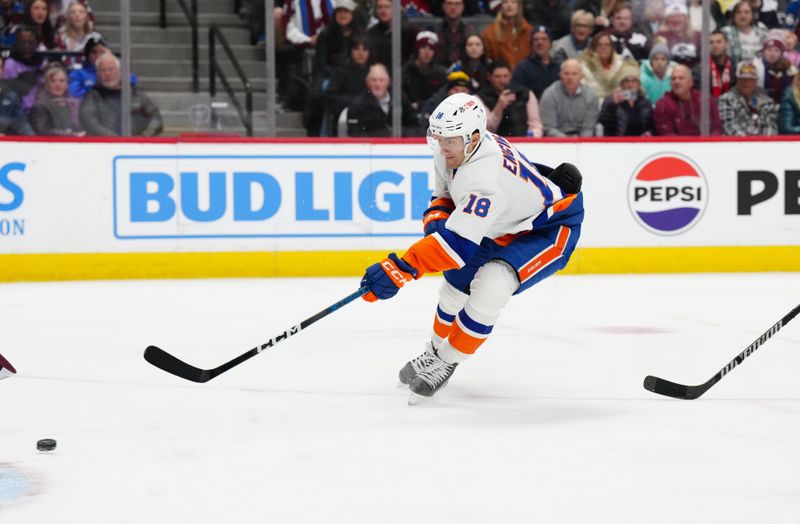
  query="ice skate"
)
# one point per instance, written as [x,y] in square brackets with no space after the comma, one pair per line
[428,381]
[416,365]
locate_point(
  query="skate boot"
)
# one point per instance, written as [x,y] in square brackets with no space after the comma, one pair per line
[416,365]
[428,381]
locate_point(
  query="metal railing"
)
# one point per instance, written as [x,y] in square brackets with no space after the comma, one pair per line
[191,16]
[214,71]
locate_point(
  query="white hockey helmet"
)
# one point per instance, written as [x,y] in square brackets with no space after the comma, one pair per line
[461,115]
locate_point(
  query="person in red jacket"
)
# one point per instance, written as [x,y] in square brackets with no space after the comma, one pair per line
[678,111]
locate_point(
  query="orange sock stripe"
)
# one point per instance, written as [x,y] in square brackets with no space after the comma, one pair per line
[545,257]
[428,256]
[463,342]
[440,328]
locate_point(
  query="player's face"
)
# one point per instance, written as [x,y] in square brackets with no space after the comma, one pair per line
[451,148]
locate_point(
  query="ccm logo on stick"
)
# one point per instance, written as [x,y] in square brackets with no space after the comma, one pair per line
[755,187]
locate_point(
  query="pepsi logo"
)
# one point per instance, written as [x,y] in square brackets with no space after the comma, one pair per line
[667,194]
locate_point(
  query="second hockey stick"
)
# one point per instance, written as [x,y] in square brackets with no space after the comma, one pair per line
[163,360]
[674,390]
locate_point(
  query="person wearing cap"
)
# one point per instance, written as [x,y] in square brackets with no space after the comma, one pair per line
[457,82]
[626,111]
[775,72]
[677,113]
[745,34]
[744,110]
[556,15]
[512,109]
[683,41]
[581,28]
[789,115]
[422,76]
[567,108]
[452,32]
[602,65]
[628,43]
[539,70]
[508,38]
[721,68]
[656,73]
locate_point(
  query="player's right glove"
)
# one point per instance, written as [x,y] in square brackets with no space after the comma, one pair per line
[385,278]
[435,216]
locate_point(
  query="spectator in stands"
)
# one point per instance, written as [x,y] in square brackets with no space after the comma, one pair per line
[380,35]
[36,17]
[346,83]
[628,43]
[415,8]
[722,69]
[508,38]
[11,12]
[334,41]
[370,113]
[471,7]
[657,72]
[626,111]
[775,72]
[59,12]
[553,14]
[765,13]
[72,36]
[683,41]
[602,65]
[24,67]
[568,108]
[651,18]
[678,111]
[55,112]
[12,118]
[513,110]
[789,118]
[101,110]
[474,62]
[82,80]
[538,71]
[744,110]
[601,9]
[696,16]
[457,82]
[792,51]
[452,32]
[745,34]
[569,46]
[422,76]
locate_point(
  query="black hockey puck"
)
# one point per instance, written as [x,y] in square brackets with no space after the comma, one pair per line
[46,444]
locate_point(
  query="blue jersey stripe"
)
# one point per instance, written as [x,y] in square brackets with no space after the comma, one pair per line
[527,174]
[465,248]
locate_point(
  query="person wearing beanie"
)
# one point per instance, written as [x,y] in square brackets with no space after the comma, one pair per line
[745,34]
[626,111]
[538,70]
[744,110]
[775,72]
[422,76]
[722,69]
[656,73]
[683,41]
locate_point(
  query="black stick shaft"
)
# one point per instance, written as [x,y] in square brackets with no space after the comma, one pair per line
[165,361]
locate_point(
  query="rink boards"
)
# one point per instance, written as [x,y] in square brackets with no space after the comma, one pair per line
[169,208]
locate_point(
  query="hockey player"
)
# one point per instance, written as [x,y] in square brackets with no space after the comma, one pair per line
[498,224]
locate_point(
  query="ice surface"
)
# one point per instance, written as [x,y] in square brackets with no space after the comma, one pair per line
[548,423]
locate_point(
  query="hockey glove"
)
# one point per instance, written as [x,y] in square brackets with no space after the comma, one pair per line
[435,216]
[385,278]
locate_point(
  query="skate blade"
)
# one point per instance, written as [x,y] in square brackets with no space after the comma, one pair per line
[415,399]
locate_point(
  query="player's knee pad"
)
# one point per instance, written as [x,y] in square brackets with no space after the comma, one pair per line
[493,285]
[451,300]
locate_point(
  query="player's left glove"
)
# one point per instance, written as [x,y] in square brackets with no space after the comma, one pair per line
[385,278]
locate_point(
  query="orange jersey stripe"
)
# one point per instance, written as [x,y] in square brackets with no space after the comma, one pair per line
[563,204]
[463,342]
[428,256]
[546,256]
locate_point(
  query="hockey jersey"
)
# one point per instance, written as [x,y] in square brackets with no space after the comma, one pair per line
[497,194]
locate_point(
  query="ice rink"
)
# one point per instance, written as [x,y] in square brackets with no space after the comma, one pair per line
[548,423]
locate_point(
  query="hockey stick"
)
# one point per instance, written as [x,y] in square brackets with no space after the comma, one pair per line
[671,389]
[163,360]
[6,369]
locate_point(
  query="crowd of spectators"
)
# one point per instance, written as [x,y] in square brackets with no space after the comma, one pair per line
[59,77]
[544,67]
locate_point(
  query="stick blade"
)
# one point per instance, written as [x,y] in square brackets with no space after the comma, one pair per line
[166,362]
[671,389]
[6,369]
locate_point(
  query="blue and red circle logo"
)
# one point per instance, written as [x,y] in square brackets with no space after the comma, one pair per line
[667,194]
